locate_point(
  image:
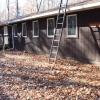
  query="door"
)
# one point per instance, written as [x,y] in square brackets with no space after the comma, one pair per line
[11,37]
[1,37]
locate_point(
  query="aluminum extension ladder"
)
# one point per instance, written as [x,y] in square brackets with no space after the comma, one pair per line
[57,35]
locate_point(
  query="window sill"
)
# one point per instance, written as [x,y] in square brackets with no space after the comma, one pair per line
[35,36]
[50,36]
[72,37]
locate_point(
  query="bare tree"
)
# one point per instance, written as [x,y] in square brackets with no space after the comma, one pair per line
[12,9]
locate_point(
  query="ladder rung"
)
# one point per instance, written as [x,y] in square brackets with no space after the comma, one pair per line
[60,23]
[94,27]
[54,53]
[51,58]
[96,31]
[54,46]
[57,37]
[56,40]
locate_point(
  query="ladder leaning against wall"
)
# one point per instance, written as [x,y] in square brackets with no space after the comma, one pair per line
[57,35]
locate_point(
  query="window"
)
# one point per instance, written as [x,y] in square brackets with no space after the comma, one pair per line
[72,26]
[24,30]
[35,29]
[5,35]
[15,30]
[50,27]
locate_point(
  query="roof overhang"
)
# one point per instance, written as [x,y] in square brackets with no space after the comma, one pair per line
[70,9]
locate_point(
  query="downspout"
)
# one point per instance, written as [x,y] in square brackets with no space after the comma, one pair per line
[3,39]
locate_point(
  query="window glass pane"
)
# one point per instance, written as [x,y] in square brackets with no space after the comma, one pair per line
[51,27]
[5,39]
[24,29]
[35,28]
[71,25]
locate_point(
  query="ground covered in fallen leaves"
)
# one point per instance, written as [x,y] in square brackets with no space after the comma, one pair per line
[26,76]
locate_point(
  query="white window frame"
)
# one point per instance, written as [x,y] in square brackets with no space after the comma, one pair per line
[76,34]
[35,36]
[13,26]
[50,36]
[22,30]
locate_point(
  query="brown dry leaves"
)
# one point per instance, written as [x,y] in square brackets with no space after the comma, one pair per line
[26,76]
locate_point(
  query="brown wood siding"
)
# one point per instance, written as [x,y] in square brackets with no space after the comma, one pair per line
[88,38]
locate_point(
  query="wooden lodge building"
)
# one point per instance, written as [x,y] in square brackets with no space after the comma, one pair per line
[34,32]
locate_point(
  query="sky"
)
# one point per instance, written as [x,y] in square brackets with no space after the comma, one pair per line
[3,3]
